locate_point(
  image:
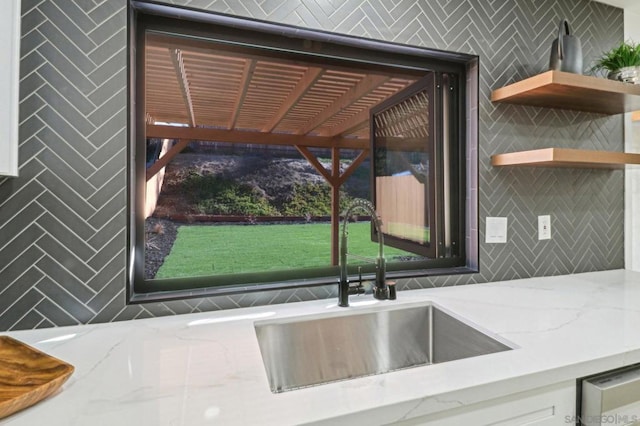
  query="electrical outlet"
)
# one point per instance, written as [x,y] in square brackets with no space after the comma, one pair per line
[544,227]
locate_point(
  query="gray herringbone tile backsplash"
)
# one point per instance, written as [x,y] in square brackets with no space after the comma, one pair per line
[63,221]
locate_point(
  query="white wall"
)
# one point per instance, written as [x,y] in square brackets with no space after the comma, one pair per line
[632,174]
[9,77]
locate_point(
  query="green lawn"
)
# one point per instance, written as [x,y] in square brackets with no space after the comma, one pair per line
[227,249]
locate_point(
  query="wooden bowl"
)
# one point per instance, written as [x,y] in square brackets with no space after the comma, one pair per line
[27,375]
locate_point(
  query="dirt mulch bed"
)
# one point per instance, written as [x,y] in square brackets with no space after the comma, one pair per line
[160,234]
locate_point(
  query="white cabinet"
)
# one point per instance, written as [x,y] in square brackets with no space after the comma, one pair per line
[9,81]
[548,406]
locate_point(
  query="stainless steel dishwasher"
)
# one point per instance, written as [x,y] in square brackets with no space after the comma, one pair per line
[611,398]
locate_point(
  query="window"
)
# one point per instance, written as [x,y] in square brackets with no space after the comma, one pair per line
[276,98]
[415,167]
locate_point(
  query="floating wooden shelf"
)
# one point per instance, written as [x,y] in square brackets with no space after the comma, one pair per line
[560,157]
[556,89]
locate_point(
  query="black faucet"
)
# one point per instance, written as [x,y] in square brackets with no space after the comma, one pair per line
[382,290]
[345,288]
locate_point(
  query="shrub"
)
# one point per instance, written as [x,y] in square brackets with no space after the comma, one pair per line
[217,195]
[312,199]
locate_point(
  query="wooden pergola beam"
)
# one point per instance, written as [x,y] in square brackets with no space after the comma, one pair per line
[304,85]
[164,160]
[413,143]
[247,74]
[249,137]
[183,82]
[354,123]
[313,160]
[353,166]
[225,51]
[364,87]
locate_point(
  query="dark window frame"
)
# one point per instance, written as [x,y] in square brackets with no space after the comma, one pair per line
[427,83]
[326,47]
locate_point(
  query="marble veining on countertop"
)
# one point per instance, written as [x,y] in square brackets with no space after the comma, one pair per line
[206,368]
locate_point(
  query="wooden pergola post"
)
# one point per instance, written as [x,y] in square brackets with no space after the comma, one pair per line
[335,205]
[335,180]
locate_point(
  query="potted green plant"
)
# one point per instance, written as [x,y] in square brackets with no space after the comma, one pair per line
[620,63]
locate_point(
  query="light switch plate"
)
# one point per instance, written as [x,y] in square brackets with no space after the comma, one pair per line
[496,230]
[544,227]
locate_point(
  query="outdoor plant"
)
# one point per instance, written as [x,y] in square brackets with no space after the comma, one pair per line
[627,54]
[312,199]
[215,194]
[220,196]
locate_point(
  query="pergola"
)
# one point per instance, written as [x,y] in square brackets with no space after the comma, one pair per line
[221,94]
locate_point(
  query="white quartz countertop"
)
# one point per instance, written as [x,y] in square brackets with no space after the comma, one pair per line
[201,369]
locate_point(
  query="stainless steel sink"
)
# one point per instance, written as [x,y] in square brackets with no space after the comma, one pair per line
[311,350]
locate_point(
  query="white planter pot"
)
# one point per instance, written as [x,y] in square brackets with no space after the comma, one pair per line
[626,75]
